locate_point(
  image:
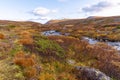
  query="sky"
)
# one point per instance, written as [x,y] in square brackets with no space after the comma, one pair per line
[44,10]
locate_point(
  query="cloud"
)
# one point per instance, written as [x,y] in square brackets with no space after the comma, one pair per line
[96,7]
[112,1]
[40,19]
[41,11]
[45,18]
[101,8]
[42,14]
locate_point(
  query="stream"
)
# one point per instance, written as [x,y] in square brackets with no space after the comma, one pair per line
[51,32]
[54,32]
[116,45]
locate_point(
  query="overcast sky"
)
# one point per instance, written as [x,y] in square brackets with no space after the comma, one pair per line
[44,10]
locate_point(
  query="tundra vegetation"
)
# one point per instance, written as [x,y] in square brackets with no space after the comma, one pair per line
[26,54]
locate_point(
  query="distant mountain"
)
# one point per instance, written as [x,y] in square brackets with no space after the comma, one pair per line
[90,21]
[19,23]
[91,17]
[56,21]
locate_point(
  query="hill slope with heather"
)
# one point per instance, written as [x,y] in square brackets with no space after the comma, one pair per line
[27,54]
[96,27]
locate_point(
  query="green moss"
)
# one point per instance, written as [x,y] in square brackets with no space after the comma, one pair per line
[10,72]
[11,26]
[45,45]
[15,49]
[19,75]
[118,27]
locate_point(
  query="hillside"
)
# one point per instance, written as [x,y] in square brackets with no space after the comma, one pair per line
[92,22]
[19,23]
[57,50]
[101,26]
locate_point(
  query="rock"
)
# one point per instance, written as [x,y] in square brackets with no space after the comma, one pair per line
[71,62]
[86,73]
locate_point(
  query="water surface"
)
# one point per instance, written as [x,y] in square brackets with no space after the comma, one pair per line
[116,45]
[51,32]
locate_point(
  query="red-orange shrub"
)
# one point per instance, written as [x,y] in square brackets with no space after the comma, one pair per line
[2,36]
[26,41]
[30,72]
[24,60]
[28,63]
[25,38]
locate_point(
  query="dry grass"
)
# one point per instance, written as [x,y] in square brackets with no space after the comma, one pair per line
[28,64]
[26,41]
[98,56]
[24,60]
[31,72]
[25,38]
[2,36]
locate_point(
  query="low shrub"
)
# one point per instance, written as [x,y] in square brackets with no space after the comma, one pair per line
[11,26]
[47,46]
[47,76]
[118,27]
[2,36]
[24,60]
[25,38]
[28,64]
[26,41]
[30,72]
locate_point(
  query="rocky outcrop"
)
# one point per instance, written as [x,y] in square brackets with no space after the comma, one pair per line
[86,73]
